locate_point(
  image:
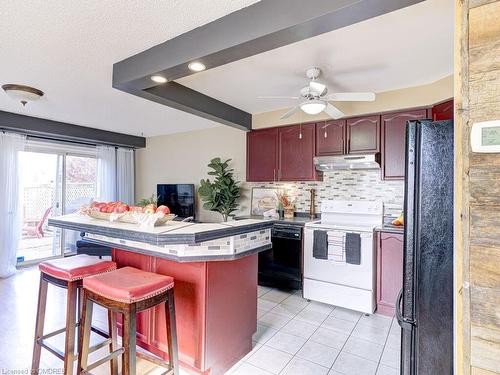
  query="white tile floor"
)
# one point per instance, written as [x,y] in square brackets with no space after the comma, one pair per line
[297,337]
[293,336]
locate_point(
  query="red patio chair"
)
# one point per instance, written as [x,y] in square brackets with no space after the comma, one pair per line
[37,230]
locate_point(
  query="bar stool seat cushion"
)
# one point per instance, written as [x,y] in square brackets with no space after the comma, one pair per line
[128,284]
[76,267]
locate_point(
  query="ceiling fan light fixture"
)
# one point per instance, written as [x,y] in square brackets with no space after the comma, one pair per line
[313,107]
[22,93]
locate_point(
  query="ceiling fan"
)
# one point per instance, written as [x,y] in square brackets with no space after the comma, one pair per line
[316,98]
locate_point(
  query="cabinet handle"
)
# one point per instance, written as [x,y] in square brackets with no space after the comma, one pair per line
[274,174]
[279,174]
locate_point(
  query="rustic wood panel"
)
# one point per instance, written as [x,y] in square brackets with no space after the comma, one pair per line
[477,96]
[485,307]
[480,371]
[485,183]
[462,150]
[485,225]
[485,346]
[485,266]
[484,27]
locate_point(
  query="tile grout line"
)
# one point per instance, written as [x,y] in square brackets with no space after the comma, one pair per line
[295,355]
[385,343]
[343,346]
[318,326]
[278,330]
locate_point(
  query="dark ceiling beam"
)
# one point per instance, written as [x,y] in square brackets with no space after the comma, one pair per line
[261,27]
[56,130]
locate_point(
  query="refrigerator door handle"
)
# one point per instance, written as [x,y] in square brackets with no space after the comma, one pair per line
[403,322]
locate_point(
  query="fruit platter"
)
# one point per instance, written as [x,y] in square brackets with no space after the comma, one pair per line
[149,215]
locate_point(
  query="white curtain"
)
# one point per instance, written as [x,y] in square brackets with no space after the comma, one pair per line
[10,211]
[125,175]
[106,173]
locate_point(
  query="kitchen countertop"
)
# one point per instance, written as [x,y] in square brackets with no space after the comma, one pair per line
[390,228]
[173,232]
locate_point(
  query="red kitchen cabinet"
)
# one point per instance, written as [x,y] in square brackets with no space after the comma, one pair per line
[443,111]
[330,136]
[296,152]
[363,134]
[262,155]
[393,142]
[389,271]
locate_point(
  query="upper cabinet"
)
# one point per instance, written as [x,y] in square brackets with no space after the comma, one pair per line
[363,134]
[281,154]
[296,153]
[443,111]
[330,136]
[262,155]
[393,142]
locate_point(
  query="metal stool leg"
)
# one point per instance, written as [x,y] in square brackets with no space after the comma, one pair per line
[40,320]
[69,345]
[129,341]
[171,332]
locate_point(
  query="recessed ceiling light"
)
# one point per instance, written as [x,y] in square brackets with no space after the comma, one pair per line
[158,79]
[197,66]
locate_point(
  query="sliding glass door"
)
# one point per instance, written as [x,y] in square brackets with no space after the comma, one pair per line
[80,188]
[41,197]
[55,180]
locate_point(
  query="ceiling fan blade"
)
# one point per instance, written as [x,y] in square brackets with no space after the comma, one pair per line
[277,97]
[317,87]
[290,112]
[333,111]
[352,97]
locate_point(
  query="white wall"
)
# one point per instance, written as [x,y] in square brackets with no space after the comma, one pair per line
[183,158]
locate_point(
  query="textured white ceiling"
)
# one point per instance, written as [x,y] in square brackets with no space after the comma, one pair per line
[67,48]
[409,47]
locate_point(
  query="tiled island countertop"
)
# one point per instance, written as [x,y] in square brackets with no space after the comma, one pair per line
[175,240]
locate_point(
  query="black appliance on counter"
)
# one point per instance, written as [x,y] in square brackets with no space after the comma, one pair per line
[426,314]
[281,266]
[180,198]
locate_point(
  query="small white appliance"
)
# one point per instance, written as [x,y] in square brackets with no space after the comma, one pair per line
[335,281]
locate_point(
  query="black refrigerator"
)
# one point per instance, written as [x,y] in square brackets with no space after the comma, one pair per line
[424,308]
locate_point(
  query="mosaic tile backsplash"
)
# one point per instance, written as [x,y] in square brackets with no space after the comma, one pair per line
[342,185]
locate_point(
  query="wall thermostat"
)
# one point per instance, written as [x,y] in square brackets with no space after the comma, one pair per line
[485,136]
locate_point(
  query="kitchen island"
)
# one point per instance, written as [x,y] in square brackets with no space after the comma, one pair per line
[215,272]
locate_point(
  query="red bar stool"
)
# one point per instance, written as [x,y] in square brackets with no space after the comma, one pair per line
[65,273]
[128,291]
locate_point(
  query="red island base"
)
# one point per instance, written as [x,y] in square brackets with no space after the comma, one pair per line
[216,309]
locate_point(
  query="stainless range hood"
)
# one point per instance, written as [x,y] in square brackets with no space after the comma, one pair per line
[333,163]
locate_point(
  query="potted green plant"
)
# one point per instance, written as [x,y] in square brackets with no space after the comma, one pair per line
[223,193]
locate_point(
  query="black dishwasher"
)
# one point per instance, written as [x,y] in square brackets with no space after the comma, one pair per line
[281,266]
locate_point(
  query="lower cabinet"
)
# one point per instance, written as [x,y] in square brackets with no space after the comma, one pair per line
[389,271]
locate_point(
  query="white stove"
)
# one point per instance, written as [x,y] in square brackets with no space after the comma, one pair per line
[333,278]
